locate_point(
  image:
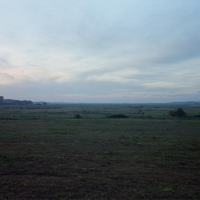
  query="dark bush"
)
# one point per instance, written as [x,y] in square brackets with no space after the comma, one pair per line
[177,113]
[118,116]
[77,116]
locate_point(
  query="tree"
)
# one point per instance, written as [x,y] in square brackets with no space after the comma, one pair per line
[177,113]
[1,99]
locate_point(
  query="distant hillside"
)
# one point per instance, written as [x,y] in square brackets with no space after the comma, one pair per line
[186,102]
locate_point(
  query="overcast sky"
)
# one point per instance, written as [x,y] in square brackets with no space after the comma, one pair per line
[104,51]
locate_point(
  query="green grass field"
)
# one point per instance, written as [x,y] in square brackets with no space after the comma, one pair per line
[46,153]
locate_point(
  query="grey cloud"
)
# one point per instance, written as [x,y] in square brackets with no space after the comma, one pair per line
[4,58]
[85,91]
[182,51]
[3,62]
[90,39]
[6,75]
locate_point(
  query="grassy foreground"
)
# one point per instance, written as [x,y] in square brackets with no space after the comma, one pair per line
[45,153]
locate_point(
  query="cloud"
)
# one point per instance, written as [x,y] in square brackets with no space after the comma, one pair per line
[180,51]
[6,79]
[83,51]
[161,85]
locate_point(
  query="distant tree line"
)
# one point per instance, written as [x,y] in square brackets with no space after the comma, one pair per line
[14,102]
[1,99]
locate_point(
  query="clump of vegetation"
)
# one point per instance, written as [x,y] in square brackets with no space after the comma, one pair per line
[140,112]
[77,116]
[177,113]
[118,116]
[168,190]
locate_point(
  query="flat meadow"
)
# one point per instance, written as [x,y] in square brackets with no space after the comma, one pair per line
[99,151]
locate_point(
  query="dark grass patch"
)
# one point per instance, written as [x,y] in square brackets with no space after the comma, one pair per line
[10,159]
[118,116]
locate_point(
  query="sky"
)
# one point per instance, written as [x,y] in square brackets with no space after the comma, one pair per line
[108,51]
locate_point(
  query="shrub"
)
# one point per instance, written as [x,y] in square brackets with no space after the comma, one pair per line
[77,116]
[177,113]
